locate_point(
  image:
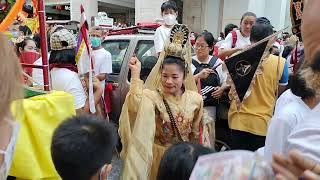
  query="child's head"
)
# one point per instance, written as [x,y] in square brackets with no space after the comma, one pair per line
[179,160]
[82,148]
[169,12]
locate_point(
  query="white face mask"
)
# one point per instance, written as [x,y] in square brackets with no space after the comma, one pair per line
[8,154]
[170,19]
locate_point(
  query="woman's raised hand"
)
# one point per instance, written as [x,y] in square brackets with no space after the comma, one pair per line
[135,67]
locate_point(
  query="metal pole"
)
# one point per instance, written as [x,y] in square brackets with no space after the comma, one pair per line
[43,43]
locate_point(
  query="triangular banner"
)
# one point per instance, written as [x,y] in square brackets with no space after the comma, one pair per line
[243,67]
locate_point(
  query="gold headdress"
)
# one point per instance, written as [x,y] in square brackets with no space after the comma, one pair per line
[177,45]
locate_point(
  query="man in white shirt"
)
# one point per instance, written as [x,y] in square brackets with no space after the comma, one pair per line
[102,58]
[63,70]
[305,137]
[169,11]
[286,98]
[289,116]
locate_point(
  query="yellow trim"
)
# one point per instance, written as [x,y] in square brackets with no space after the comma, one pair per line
[80,51]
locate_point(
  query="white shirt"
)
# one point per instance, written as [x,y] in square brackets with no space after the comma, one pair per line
[102,63]
[305,137]
[160,37]
[285,99]
[221,73]
[63,79]
[8,152]
[37,74]
[282,124]
[241,41]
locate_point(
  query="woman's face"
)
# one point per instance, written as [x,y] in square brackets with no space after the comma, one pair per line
[30,46]
[246,25]
[202,48]
[172,78]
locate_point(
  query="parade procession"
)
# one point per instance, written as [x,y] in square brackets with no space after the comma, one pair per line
[159,90]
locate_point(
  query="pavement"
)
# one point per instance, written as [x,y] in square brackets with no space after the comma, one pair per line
[116,168]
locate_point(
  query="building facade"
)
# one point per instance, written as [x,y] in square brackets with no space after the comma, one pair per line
[199,15]
[121,10]
[213,15]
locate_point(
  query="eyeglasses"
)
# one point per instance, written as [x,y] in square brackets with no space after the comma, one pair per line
[200,46]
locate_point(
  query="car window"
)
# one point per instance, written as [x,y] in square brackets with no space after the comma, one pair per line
[118,50]
[147,55]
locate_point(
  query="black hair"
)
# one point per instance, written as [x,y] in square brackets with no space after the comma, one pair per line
[277,52]
[286,51]
[247,14]
[175,60]
[298,86]
[28,9]
[208,37]
[36,39]
[23,44]
[260,31]
[229,28]
[26,30]
[65,56]
[169,5]
[222,35]
[81,146]
[179,160]
[315,64]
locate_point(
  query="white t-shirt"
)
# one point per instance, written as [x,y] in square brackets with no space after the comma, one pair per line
[102,63]
[241,41]
[223,77]
[282,124]
[221,73]
[285,99]
[37,74]
[63,79]
[160,37]
[305,137]
[7,153]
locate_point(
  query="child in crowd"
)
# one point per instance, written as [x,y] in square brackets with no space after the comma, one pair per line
[82,148]
[169,12]
[179,160]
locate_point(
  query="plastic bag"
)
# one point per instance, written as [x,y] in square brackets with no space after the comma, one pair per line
[229,165]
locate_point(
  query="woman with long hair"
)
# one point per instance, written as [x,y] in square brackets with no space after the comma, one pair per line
[169,110]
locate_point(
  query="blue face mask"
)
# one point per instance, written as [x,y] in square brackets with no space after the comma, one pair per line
[15,34]
[95,41]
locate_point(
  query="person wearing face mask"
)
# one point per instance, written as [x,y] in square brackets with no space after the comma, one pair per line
[15,32]
[27,51]
[102,58]
[82,148]
[169,12]
[236,40]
